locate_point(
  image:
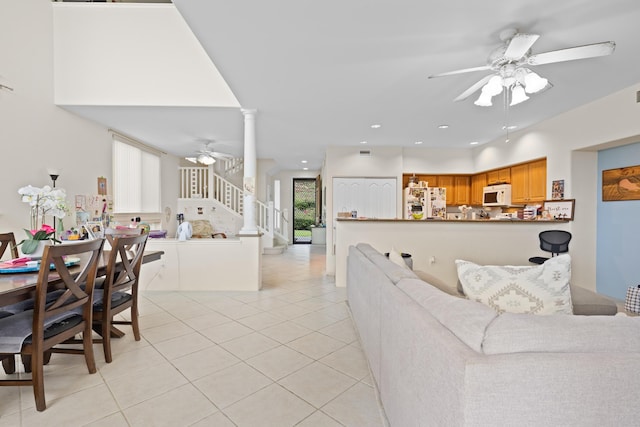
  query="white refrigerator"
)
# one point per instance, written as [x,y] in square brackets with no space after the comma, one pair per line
[425,202]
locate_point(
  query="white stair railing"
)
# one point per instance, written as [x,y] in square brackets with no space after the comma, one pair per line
[202,183]
[232,166]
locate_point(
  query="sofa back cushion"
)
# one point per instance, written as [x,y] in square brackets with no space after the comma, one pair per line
[467,320]
[518,333]
[393,271]
[540,289]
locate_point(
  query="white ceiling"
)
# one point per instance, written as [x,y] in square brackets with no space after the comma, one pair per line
[320,73]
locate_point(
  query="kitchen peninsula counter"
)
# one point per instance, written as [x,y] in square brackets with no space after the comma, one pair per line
[475,221]
[436,244]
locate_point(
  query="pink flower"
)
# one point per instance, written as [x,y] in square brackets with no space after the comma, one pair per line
[46,228]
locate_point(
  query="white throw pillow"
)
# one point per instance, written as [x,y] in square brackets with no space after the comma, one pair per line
[396,257]
[540,289]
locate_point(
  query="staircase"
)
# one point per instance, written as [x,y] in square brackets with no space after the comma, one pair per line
[202,182]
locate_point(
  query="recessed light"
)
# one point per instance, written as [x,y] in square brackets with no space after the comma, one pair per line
[418,142]
[376,126]
[363,142]
[443,127]
[474,143]
[511,127]
[305,169]
[303,161]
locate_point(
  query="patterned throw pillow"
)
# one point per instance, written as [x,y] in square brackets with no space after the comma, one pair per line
[540,289]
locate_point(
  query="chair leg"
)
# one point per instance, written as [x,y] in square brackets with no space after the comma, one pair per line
[106,339]
[37,377]
[9,364]
[47,357]
[87,346]
[26,362]
[134,321]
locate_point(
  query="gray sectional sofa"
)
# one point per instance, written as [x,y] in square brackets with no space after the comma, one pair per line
[441,360]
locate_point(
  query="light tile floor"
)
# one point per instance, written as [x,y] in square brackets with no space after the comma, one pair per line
[285,356]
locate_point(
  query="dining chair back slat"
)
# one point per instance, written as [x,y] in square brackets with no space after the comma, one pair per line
[8,241]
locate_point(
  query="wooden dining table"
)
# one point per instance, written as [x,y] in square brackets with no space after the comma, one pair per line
[15,287]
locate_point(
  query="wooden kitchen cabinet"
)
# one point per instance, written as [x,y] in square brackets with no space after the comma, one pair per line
[432,180]
[448,182]
[458,186]
[529,182]
[462,190]
[478,182]
[499,176]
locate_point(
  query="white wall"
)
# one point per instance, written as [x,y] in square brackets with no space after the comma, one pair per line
[131,54]
[35,134]
[437,160]
[486,242]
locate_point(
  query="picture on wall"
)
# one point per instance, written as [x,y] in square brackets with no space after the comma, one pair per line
[557,190]
[621,184]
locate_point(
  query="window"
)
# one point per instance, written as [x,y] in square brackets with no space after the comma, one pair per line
[136,177]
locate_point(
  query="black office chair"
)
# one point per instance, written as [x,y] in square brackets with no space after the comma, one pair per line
[554,241]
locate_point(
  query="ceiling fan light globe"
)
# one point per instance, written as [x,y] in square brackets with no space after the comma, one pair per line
[493,86]
[206,160]
[533,83]
[518,95]
[484,100]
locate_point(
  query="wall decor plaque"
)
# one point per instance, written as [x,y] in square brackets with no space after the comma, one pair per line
[560,209]
[621,184]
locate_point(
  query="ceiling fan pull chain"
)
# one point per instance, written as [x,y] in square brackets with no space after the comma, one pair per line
[506,94]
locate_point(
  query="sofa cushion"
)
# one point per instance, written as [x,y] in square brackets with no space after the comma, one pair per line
[440,284]
[540,289]
[517,333]
[466,319]
[394,272]
[589,303]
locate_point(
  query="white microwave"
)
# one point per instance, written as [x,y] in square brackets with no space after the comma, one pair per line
[496,195]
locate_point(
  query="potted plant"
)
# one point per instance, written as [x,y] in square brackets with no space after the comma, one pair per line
[42,201]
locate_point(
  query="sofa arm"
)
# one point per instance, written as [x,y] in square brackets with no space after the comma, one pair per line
[589,303]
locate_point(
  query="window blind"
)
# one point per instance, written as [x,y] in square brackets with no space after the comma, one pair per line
[136,179]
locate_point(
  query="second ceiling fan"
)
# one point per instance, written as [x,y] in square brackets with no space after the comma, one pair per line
[510,65]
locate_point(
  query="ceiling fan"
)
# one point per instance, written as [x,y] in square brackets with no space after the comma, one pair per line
[207,156]
[510,65]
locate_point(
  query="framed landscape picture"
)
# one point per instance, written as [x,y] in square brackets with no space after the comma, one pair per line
[621,184]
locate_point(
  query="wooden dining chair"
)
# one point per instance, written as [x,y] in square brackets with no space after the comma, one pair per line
[35,333]
[120,289]
[8,241]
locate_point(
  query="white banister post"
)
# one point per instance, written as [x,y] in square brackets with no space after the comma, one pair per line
[271,224]
[249,181]
[285,227]
[210,189]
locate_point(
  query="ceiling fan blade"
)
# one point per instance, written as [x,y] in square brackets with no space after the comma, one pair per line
[476,86]
[220,155]
[520,45]
[572,53]
[464,70]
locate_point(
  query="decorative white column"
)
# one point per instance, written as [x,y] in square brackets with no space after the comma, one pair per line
[249,182]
